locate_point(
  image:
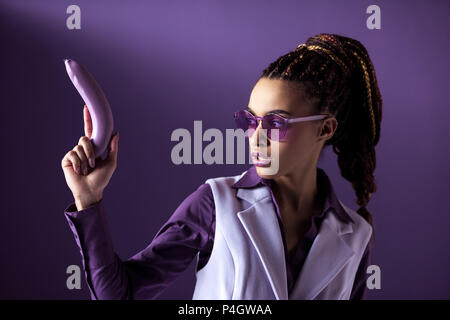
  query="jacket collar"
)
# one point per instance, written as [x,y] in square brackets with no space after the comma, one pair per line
[251,179]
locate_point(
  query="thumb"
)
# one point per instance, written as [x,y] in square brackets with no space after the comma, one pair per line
[113,148]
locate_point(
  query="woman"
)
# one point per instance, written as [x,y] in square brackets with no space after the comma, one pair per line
[257,235]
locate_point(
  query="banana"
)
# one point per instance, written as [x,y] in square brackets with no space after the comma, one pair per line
[98,105]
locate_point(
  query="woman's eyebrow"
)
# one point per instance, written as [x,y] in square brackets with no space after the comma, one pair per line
[276,111]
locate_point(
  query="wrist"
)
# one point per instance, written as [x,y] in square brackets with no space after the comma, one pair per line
[85,201]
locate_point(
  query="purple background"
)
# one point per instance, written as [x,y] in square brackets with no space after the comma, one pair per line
[165,64]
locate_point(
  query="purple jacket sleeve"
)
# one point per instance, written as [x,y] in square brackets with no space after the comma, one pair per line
[359,286]
[146,274]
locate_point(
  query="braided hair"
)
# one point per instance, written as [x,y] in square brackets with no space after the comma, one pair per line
[337,74]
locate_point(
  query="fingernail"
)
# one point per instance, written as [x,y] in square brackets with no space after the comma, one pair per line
[92,163]
[85,171]
[77,169]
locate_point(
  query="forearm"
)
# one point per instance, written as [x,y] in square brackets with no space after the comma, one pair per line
[105,274]
[146,274]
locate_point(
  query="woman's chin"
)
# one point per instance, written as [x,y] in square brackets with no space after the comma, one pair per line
[266,172]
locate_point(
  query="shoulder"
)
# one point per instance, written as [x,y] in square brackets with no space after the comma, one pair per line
[197,209]
[201,198]
[224,181]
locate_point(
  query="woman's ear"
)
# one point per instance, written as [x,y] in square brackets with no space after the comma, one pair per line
[328,128]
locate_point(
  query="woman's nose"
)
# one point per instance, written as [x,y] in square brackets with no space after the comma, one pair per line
[259,136]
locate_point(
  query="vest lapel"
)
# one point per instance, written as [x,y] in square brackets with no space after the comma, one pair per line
[261,224]
[328,255]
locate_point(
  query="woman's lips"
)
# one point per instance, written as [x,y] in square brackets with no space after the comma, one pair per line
[260,160]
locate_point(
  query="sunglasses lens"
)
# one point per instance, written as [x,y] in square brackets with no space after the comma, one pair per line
[275,125]
[245,121]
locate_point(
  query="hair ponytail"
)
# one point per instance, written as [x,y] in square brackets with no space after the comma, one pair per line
[337,73]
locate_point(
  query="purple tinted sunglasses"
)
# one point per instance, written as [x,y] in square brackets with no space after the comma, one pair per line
[247,121]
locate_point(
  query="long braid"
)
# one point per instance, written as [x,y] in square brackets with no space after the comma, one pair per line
[337,74]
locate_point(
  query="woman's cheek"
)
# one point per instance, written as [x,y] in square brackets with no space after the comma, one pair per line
[285,153]
[293,133]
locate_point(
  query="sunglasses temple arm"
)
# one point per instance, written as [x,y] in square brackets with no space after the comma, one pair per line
[309,118]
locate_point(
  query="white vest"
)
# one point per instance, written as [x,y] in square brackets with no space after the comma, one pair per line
[247,261]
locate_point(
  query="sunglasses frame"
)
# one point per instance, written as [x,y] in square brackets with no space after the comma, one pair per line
[286,121]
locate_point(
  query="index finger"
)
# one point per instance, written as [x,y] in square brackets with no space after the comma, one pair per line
[87,122]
